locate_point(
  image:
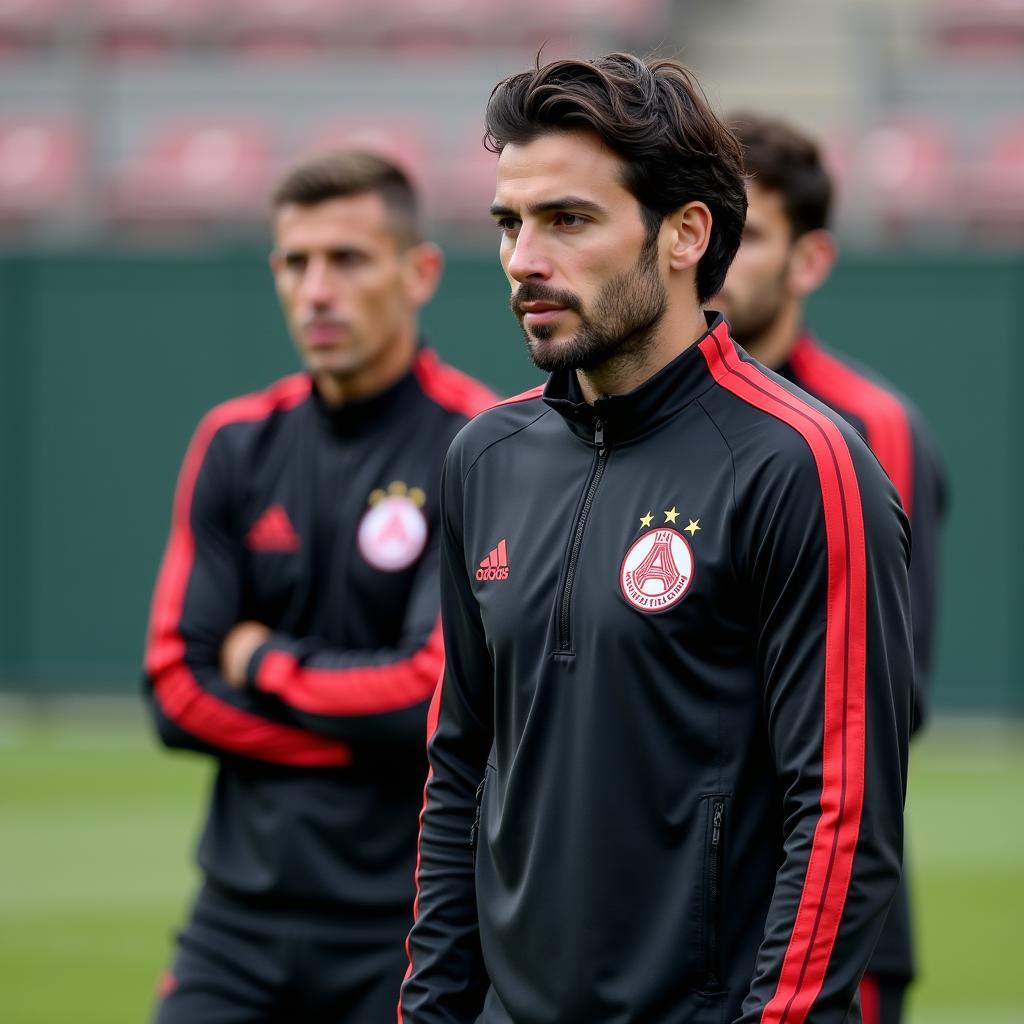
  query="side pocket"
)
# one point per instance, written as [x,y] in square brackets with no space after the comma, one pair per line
[474,832]
[715,852]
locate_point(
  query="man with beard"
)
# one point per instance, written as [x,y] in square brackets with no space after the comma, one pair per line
[294,634]
[668,750]
[787,253]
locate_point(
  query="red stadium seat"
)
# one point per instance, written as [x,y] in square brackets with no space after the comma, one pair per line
[39,164]
[994,185]
[981,28]
[287,28]
[32,16]
[431,24]
[628,16]
[398,140]
[905,171]
[146,27]
[212,170]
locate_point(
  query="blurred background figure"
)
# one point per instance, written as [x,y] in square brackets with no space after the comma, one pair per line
[295,631]
[787,253]
[138,142]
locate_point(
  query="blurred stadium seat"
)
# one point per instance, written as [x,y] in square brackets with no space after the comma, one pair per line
[994,184]
[401,141]
[980,27]
[624,17]
[286,28]
[22,18]
[208,170]
[904,170]
[150,26]
[39,166]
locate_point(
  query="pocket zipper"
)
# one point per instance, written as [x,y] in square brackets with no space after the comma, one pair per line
[714,886]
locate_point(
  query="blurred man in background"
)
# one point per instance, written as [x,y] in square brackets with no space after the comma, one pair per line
[668,750]
[787,253]
[294,633]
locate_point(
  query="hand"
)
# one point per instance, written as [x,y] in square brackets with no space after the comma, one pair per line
[237,650]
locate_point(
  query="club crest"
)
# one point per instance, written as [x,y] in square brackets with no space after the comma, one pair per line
[657,570]
[393,532]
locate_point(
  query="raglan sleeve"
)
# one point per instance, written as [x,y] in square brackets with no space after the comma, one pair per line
[447,981]
[196,601]
[360,695]
[826,553]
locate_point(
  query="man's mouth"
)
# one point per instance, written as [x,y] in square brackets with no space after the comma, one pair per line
[539,312]
[323,333]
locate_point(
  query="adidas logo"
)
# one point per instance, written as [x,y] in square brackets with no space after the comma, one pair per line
[273,531]
[495,565]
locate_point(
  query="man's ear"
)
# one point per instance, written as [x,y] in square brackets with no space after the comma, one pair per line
[814,256]
[690,235]
[424,264]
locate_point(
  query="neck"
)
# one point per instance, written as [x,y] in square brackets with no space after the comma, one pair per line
[378,375]
[677,331]
[773,346]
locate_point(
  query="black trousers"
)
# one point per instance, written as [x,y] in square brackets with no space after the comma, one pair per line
[240,964]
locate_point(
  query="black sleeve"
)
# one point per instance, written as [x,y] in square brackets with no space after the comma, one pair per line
[927,514]
[827,552]
[196,601]
[356,695]
[447,980]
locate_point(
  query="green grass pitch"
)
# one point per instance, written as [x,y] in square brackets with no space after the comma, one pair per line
[97,829]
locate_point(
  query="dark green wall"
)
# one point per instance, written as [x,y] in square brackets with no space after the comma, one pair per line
[108,359]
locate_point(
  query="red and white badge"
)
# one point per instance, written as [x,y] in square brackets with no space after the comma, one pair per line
[657,570]
[393,532]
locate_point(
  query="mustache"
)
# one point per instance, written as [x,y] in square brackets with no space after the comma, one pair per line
[532,292]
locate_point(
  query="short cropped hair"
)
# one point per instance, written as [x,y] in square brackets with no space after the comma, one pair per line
[780,158]
[353,172]
[653,114]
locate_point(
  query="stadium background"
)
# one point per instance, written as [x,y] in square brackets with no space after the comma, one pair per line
[137,142]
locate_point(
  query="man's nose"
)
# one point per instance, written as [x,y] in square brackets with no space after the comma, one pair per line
[528,260]
[317,287]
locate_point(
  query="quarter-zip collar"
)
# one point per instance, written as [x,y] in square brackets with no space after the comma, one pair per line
[637,412]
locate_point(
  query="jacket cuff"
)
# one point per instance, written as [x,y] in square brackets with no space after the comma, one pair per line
[252,670]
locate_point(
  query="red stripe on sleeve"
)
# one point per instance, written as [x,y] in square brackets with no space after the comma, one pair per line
[433,715]
[367,690]
[830,864]
[884,417]
[450,388]
[176,689]
[870,1000]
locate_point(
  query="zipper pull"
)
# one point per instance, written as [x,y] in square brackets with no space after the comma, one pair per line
[718,813]
[599,435]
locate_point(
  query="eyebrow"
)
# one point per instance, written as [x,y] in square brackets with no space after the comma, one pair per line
[550,206]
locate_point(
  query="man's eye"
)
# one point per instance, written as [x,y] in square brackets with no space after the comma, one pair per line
[507,223]
[296,263]
[569,220]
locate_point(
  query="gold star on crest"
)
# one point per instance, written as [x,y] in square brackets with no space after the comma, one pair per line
[646,520]
[671,515]
[693,527]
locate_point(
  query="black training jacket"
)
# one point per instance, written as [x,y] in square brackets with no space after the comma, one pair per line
[321,524]
[897,434]
[668,754]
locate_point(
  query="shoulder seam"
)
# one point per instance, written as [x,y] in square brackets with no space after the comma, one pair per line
[498,440]
[732,460]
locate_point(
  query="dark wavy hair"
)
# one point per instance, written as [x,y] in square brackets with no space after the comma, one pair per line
[654,115]
[780,158]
